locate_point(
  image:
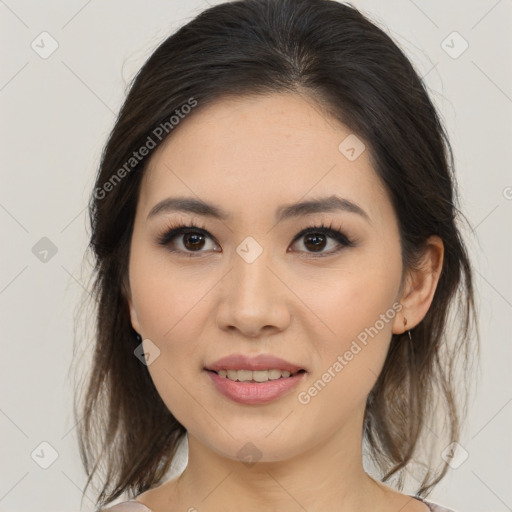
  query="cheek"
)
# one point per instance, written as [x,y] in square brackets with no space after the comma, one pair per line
[168,301]
[357,306]
[169,304]
[350,360]
[165,296]
[351,306]
[351,298]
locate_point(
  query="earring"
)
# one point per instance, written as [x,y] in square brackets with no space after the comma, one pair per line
[138,336]
[408,331]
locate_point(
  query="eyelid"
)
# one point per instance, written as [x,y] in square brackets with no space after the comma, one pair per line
[174,230]
[178,228]
[337,234]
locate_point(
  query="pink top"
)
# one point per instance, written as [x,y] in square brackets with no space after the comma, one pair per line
[136,506]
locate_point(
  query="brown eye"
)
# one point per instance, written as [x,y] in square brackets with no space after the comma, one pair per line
[316,239]
[193,241]
[315,242]
[186,240]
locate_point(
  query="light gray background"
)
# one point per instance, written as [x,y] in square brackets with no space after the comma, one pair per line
[56,115]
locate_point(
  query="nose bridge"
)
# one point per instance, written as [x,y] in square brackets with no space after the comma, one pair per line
[252,281]
[252,297]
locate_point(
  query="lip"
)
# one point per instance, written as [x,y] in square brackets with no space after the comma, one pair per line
[259,362]
[254,393]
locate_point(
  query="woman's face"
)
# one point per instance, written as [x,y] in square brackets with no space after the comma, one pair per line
[246,285]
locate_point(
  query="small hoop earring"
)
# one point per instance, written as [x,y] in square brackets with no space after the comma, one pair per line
[408,331]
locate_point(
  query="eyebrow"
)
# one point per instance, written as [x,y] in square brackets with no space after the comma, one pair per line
[192,205]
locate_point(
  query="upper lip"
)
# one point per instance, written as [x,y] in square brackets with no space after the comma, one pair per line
[259,362]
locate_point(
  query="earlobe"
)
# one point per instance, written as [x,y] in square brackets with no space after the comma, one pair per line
[133,316]
[131,308]
[420,287]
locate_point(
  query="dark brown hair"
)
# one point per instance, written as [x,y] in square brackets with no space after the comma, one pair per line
[355,72]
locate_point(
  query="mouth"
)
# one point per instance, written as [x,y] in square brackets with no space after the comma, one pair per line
[254,379]
[255,387]
[255,376]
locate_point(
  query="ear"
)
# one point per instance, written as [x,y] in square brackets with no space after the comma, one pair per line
[419,286]
[133,316]
[133,313]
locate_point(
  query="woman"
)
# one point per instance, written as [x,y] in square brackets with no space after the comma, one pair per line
[277,256]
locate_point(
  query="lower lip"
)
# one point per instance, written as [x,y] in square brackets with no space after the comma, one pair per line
[253,393]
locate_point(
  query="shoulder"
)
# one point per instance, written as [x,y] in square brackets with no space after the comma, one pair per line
[127,506]
[435,507]
[137,506]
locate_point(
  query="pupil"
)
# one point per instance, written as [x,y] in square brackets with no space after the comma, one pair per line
[195,238]
[319,244]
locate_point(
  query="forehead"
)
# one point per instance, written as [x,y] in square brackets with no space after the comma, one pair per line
[252,153]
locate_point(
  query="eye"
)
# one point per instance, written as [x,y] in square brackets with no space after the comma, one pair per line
[190,239]
[316,238]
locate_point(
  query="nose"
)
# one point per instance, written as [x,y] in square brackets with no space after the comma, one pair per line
[253,299]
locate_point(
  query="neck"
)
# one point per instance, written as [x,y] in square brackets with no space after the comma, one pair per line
[329,476]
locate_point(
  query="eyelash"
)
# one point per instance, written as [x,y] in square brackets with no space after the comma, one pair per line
[173,230]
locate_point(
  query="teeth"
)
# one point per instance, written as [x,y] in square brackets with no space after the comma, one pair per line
[256,375]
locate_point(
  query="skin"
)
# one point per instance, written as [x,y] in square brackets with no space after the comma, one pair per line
[249,156]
